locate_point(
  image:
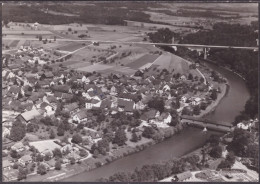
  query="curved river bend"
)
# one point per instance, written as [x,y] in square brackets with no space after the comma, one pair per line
[182,143]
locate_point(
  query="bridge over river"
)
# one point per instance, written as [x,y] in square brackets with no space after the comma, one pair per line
[205,123]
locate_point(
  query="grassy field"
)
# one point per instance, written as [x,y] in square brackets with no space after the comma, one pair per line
[148,58]
[71,47]
[164,61]
[26,32]
[14,43]
[95,67]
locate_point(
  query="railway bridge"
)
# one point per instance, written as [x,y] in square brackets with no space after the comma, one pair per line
[208,124]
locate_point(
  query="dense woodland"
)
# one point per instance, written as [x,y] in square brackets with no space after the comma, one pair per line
[97,13]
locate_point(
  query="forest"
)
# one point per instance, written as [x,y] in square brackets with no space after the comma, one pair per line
[101,13]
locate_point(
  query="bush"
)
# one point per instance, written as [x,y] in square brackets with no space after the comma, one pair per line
[41,169]
[83,153]
[72,160]
[15,166]
[58,165]
[4,154]
[76,139]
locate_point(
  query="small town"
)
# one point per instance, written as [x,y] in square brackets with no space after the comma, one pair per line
[62,117]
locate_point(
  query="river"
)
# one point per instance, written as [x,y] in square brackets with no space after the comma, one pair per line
[182,143]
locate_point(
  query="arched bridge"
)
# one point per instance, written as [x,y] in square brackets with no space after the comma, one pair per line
[205,123]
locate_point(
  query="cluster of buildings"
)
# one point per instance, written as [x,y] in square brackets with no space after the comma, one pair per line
[38,94]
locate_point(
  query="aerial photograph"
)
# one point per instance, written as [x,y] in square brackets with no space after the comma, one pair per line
[144,91]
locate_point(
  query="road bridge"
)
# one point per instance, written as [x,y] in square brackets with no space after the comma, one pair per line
[204,47]
[205,123]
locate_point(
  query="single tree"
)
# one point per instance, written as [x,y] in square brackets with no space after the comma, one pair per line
[134,138]
[18,131]
[120,137]
[76,138]
[52,134]
[22,173]
[58,164]
[41,169]
[216,152]
[57,153]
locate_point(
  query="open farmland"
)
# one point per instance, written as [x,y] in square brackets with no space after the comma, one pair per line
[26,32]
[14,43]
[71,47]
[85,56]
[121,70]
[170,62]
[95,67]
[148,58]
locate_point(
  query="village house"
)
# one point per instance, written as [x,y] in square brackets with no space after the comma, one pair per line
[88,95]
[125,105]
[45,146]
[48,109]
[148,116]
[62,88]
[24,160]
[18,147]
[165,118]
[182,176]
[47,75]
[113,90]
[71,108]
[184,98]
[106,104]
[96,103]
[183,78]
[27,116]
[80,116]
[245,125]
[67,149]
[140,105]
[166,88]
[5,132]
[7,165]
[88,104]
[44,83]
[195,100]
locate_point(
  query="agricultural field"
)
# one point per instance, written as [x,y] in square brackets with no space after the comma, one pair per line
[85,56]
[94,67]
[120,70]
[148,58]
[14,43]
[26,32]
[71,46]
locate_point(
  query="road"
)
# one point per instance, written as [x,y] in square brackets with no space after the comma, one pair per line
[144,43]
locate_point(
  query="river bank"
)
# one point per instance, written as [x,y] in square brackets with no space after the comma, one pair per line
[213,105]
[91,164]
[226,68]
